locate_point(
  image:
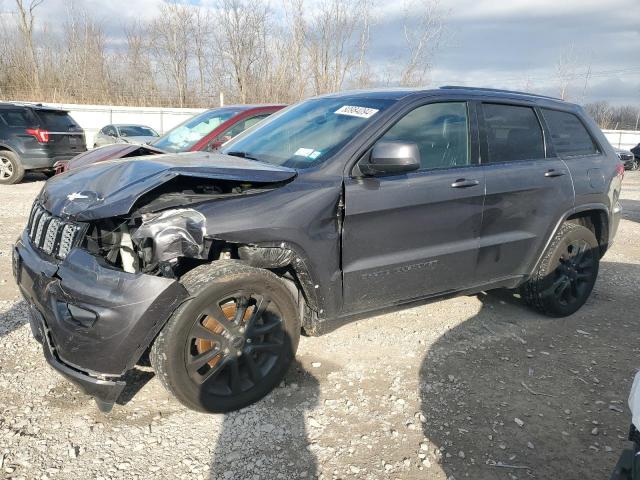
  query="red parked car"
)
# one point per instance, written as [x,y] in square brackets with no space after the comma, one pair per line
[205,131]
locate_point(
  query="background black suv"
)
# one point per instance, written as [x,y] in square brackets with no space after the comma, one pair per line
[34,137]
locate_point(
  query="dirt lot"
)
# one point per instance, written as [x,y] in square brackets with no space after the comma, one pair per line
[474,387]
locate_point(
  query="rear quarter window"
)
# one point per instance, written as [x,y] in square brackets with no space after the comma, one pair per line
[568,134]
[15,118]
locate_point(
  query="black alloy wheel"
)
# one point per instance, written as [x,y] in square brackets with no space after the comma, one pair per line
[234,343]
[566,274]
[574,273]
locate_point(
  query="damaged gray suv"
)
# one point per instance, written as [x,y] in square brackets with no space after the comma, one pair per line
[334,209]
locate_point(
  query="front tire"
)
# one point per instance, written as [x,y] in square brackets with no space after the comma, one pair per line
[11,169]
[232,342]
[566,274]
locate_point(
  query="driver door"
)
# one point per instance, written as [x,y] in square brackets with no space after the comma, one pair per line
[413,235]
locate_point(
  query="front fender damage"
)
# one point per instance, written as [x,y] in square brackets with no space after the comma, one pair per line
[283,255]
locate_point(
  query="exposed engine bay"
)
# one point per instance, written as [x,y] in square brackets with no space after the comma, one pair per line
[161,229]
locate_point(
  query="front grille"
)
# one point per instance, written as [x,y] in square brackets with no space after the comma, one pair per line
[52,235]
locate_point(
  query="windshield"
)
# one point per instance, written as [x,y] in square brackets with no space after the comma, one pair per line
[308,133]
[136,131]
[190,132]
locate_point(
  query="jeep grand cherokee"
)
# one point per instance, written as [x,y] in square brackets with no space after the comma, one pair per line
[333,209]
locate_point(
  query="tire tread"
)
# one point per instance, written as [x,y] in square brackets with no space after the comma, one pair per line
[532,290]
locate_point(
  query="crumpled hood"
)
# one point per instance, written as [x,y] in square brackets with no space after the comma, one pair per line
[111,188]
[140,139]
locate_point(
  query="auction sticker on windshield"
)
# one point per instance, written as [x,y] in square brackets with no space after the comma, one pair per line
[355,111]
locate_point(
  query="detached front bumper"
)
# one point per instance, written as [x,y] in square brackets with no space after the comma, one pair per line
[94,321]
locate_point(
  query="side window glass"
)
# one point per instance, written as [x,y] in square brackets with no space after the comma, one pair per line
[441,131]
[568,134]
[240,127]
[250,122]
[513,133]
[15,118]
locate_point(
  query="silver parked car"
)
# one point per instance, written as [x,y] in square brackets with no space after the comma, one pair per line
[118,133]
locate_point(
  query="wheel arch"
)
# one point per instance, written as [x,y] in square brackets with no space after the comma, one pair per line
[283,256]
[285,259]
[595,219]
[7,148]
[593,216]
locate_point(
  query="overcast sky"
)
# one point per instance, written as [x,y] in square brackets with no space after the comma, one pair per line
[496,43]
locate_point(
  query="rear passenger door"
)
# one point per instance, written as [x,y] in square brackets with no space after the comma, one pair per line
[574,145]
[526,191]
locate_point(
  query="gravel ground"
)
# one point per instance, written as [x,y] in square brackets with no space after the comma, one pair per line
[473,387]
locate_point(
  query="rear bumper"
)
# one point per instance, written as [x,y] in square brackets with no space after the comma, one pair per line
[94,322]
[32,161]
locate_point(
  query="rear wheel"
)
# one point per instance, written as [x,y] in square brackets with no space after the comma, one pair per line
[567,272]
[11,169]
[232,342]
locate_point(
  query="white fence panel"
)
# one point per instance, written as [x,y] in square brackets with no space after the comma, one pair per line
[624,139]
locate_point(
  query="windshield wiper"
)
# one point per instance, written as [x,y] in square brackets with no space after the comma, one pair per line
[242,155]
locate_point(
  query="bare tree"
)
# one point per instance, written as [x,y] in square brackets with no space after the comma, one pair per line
[566,70]
[363,77]
[202,42]
[26,23]
[423,28]
[602,113]
[135,81]
[241,37]
[330,43]
[289,73]
[80,67]
[171,46]
[188,55]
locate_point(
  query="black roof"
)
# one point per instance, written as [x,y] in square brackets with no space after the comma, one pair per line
[35,106]
[495,90]
[398,93]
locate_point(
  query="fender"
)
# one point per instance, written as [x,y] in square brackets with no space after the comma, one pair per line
[282,255]
[6,146]
[577,209]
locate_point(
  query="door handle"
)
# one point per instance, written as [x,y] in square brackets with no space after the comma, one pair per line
[464,183]
[554,173]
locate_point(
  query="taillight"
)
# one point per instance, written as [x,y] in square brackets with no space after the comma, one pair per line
[620,169]
[41,135]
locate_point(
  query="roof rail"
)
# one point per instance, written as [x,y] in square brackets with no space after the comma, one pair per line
[39,106]
[497,90]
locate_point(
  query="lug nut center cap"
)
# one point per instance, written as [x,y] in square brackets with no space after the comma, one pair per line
[237,342]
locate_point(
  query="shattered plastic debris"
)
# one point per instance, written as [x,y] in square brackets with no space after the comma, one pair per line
[174,233]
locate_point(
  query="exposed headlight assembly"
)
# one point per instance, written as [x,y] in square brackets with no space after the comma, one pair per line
[170,234]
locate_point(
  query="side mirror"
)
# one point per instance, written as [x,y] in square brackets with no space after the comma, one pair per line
[392,158]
